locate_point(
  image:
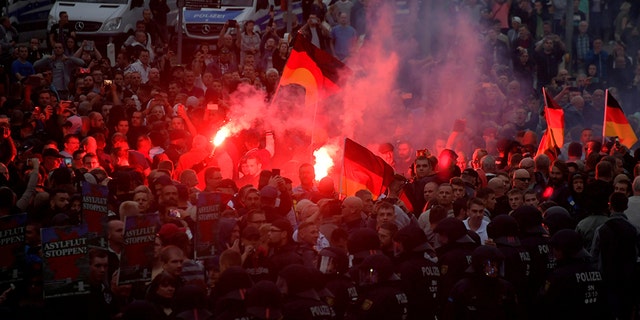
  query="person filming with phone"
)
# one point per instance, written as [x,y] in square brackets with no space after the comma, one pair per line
[316,32]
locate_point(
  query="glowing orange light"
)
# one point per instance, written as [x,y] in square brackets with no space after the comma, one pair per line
[221,135]
[323,162]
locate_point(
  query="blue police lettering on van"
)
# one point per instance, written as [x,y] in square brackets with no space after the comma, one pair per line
[209,17]
[206,23]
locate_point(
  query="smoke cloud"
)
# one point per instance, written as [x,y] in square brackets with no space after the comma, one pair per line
[413,75]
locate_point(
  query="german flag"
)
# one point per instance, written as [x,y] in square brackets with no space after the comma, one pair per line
[553,138]
[314,69]
[362,169]
[616,123]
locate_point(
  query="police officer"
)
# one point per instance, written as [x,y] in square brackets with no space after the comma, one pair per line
[228,296]
[333,263]
[615,249]
[483,295]
[418,271]
[454,254]
[264,301]
[301,299]
[379,293]
[503,230]
[557,218]
[574,290]
[535,239]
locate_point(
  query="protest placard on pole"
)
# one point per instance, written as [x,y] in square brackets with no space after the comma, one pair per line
[136,261]
[210,208]
[66,264]
[94,212]
[12,230]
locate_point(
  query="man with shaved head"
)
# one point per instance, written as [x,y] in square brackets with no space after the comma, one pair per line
[520,180]
[352,214]
[502,201]
[367,201]
[527,164]
[430,190]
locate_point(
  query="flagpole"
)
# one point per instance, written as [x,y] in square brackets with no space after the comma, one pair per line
[604,120]
[546,113]
[313,124]
[344,172]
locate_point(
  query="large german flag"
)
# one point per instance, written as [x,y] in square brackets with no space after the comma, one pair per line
[362,169]
[314,69]
[553,138]
[616,123]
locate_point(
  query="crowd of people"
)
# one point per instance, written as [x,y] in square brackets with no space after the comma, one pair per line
[476,226]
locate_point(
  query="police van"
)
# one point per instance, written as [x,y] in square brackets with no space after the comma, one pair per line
[206,21]
[29,17]
[100,20]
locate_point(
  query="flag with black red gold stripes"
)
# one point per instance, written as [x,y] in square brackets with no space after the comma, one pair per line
[362,169]
[616,123]
[314,69]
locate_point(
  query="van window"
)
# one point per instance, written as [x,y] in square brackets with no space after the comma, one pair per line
[237,3]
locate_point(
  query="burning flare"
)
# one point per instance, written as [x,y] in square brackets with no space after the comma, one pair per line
[221,135]
[323,161]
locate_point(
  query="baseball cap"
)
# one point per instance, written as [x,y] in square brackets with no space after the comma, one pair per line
[168,230]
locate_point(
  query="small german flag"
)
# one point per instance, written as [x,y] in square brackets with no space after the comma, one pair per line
[362,169]
[316,70]
[616,123]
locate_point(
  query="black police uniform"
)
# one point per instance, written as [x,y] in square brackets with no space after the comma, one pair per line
[615,247]
[517,261]
[333,262]
[574,290]
[381,298]
[418,271]
[344,293]
[535,239]
[454,257]
[483,296]
[307,305]
[302,301]
[227,301]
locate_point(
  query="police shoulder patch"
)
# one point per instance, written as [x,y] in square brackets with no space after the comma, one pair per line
[330,301]
[366,305]
[444,269]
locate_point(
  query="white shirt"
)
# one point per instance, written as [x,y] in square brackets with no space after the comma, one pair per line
[139,67]
[482,230]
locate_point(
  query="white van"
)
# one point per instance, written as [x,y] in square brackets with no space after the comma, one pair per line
[100,20]
[206,23]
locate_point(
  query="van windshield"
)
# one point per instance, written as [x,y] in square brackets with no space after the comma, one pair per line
[101,1]
[237,3]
